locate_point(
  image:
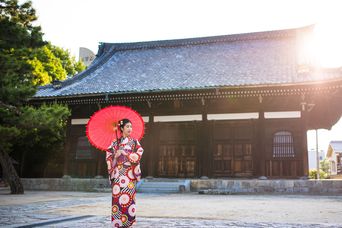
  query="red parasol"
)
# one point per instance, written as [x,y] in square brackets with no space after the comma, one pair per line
[101,128]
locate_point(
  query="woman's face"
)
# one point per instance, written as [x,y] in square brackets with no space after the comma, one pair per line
[127,129]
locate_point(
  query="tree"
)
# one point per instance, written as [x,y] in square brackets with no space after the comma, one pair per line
[42,135]
[17,37]
[26,61]
[52,63]
[68,63]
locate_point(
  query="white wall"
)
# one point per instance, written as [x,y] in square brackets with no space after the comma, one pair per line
[312,158]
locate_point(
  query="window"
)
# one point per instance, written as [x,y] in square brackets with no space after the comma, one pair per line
[283,145]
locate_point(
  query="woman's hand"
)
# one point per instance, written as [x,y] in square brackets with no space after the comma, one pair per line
[119,152]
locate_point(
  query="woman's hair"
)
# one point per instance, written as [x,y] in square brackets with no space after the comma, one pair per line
[122,123]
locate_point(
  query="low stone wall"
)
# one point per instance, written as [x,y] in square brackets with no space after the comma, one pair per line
[67,184]
[221,186]
[208,186]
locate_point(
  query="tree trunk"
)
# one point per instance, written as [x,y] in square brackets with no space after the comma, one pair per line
[10,174]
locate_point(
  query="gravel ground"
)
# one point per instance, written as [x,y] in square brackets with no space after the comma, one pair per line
[84,209]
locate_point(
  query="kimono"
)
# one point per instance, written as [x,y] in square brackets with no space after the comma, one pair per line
[124,172]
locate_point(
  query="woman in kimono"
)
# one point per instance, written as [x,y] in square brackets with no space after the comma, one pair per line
[124,171]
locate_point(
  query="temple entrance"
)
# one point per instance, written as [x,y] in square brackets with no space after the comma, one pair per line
[177,154]
[283,160]
[232,149]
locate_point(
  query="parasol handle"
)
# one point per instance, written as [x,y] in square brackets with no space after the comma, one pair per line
[117,139]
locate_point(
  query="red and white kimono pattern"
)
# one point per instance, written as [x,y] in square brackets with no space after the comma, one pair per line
[124,172]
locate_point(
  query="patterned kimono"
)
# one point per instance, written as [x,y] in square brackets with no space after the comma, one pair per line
[124,172]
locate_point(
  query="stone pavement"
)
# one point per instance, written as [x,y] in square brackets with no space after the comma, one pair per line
[85,209]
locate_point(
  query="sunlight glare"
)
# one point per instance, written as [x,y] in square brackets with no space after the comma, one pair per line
[328,43]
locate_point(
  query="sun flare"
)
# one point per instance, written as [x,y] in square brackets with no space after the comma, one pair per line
[327,44]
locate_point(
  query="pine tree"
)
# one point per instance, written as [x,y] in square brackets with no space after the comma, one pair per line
[26,62]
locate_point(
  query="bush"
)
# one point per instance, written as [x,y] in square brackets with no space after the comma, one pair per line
[322,174]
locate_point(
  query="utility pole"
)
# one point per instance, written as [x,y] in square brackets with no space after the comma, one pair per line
[317,155]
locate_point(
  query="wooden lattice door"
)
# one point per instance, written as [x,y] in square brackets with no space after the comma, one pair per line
[233,149]
[177,155]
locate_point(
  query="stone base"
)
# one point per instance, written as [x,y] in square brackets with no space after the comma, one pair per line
[204,186]
[219,186]
[67,184]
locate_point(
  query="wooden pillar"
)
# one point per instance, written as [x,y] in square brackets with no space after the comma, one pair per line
[255,147]
[203,144]
[209,147]
[150,158]
[259,156]
[304,145]
[155,151]
[67,147]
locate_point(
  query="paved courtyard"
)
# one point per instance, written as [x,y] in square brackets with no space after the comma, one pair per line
[84,209]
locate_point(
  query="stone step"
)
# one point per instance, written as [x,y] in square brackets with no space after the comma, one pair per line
[163,180]
[157,190]
[159,186]
[164,186]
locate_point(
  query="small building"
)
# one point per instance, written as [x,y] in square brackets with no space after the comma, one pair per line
[334,154]
[86,56]
[225,106]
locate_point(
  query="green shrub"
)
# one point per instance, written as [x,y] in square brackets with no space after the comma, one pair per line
[322,174]
[324,171]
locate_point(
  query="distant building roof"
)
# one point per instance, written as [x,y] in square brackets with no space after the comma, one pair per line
[337,146]
[334,146]
[240,60]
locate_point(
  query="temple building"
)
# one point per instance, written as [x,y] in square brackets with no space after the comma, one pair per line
[225,106]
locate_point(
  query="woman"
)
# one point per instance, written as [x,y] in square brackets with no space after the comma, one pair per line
[124,171]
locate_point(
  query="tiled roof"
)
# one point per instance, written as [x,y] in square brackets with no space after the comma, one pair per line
[252,59]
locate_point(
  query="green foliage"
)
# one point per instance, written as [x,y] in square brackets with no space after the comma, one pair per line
[7,134]
[23,51]
[25,63]
[46,122]
[42,137]
[52,63]
[18,38]
[16,29]
[50,67]
[16,78]
[41,77]
[68,62]
[325,165]
[324,171]
[322,174]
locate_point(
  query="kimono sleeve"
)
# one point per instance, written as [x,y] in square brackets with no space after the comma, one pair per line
[111,161]
[136,154]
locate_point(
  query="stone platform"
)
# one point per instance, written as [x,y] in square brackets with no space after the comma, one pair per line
[208,186]
[255,186]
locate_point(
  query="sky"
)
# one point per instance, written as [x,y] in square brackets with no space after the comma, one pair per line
[85,23]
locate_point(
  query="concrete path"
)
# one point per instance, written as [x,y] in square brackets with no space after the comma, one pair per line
[84,209]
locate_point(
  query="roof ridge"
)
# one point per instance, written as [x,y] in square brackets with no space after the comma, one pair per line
[204,40]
